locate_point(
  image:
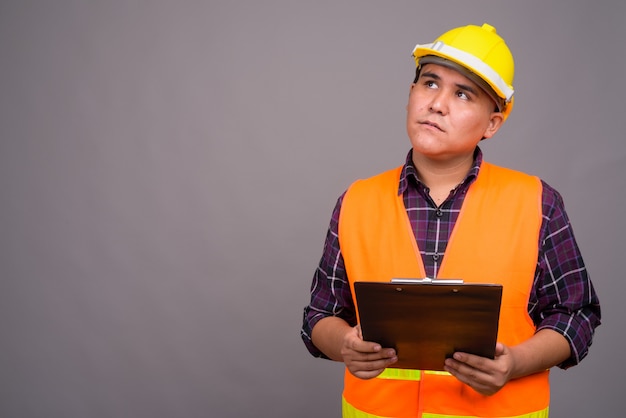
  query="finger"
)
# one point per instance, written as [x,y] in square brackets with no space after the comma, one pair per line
[364,346]
[362,356]
[461,367]
[471,360]
[367,374]
[369,361]
[361,346]
[465,374]
[381,355]
[369,365]
[369,369]
[500,349]
[353,341]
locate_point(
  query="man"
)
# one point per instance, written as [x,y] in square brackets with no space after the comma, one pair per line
[446,213]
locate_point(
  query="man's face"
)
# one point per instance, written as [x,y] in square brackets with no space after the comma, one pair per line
[448,114]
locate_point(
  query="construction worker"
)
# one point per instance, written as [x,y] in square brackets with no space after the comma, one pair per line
[447,213]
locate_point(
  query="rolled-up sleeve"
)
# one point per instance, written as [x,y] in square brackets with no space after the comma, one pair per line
[330,289]
[563,297]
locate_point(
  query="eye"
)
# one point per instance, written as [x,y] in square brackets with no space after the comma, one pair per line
[462,95]
[430,84]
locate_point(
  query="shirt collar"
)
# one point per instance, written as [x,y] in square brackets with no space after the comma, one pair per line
[409,173]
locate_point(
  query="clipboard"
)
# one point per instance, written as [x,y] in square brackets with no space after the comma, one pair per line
[427,320]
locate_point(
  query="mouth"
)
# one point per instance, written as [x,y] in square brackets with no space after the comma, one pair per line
[431,124]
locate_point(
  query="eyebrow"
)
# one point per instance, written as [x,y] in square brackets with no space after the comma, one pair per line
[464,87]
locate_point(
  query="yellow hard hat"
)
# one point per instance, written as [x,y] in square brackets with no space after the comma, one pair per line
[481,54]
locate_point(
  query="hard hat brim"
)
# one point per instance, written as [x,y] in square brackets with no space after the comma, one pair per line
[470,62]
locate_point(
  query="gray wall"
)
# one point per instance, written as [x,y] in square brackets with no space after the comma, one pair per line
[168,170]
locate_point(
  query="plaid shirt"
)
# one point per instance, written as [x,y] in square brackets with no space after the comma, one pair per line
[562,298]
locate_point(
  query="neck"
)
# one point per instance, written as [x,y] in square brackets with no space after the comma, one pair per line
[442,176]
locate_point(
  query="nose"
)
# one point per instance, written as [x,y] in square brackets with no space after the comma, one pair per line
[438,103]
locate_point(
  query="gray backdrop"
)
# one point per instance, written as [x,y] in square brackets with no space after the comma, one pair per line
[168,170]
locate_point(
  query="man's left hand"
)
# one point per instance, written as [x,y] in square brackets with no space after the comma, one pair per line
[484,375]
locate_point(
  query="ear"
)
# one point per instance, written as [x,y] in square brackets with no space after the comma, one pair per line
[495,121]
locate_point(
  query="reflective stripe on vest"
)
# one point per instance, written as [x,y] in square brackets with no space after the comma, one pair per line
[348,411]
[401,374]
[407,374]
[495,240]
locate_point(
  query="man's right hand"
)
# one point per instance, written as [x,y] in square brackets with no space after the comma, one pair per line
[365,359]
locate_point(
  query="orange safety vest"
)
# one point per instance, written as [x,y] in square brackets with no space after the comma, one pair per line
[495,240]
